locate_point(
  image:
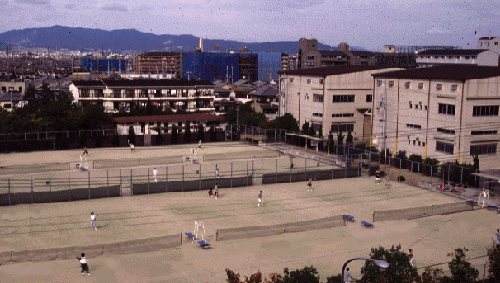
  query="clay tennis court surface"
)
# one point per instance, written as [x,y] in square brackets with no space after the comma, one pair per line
[65,224]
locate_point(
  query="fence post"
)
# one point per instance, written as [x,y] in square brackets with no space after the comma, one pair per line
[131,184]
[449,169]
[400,161]
[200,176]
[252,172]
[232,132]
[107,183]
[8,186]
[31,190]
[461,175]
[370,164]
[148,180]
[305,169]
[431,176]
[274,135]
[252,134]
[411,173]
[231,174]
[225,133]
[69,186]
[166,179]
[183,177]
[276,168]
[120,182]
[50,189]
[88,179]
[247,173]
[475,179]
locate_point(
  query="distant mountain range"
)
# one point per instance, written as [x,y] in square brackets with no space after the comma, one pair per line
[59,37]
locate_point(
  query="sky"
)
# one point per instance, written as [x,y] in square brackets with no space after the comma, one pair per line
[370,24]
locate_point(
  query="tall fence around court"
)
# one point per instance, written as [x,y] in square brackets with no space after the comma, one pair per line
[102,183]
[421,211]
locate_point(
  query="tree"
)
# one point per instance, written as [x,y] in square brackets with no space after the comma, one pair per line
[187,132]
[307,274]
[430,275]
[400,270]
[340,138]
[201,132]
[286,122]
[305,128]
[349,139]
[494,260]
[94,117]
[461,270]
[213,136]
[131,135]
[174,135]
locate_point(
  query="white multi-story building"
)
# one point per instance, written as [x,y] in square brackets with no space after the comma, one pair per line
[122,95]
[448,112]
[333,99]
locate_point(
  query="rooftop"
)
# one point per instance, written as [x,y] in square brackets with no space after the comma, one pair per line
[141,83]
[444,72]
[331,71]
[471,52]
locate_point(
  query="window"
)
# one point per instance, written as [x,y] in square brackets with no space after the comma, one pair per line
[496,43]
[310,57]
[414,126]
[343,98]
[483,149]
[85,93]
[341,115]
[345,128]
[407,85]
[321,81]
[309,64]
[391,83]
[478,133]
[443,57]
[369,98]
[458,57]
[439,86]
[453,87]
[117,93]
[447,109]
[478,111]
[435,57]
[378,82]
[308,81]
[420,85]
[291,80]
[445,131]
[466,57]
[474,57]
[411,105]
[317,114]
[445,147]
[318,98]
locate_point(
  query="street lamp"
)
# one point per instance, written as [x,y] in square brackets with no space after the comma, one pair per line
[382,264]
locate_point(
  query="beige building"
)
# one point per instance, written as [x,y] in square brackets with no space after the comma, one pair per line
[490,43]
[337,98]
[446,112]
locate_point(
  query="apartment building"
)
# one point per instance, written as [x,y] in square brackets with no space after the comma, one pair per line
[447,112]
[310,57]
[122,95]
[168,64]
[337,98]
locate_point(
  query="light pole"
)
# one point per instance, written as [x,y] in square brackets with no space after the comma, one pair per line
[382,264]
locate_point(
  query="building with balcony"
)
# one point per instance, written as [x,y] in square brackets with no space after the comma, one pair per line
[448,112]
[122,95]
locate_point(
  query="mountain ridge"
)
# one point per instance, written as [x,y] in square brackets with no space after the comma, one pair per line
[86,39]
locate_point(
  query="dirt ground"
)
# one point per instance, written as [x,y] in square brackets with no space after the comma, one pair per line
[46,226]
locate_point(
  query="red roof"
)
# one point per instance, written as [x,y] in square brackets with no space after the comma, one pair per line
[198,117]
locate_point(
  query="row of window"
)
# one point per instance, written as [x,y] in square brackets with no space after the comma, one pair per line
[345,128]
[416,142]
[474,149]
[448,109]
[445,131]
[449,57]
[342,115]
[491,110]
[419,85]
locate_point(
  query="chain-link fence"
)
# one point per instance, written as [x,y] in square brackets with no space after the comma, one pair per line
[192,175]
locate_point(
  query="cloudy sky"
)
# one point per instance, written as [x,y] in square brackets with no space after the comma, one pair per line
[367,23]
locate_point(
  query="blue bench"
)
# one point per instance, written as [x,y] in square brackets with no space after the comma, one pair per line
[364,223]
[471,202]
[203,244]
[349,217]
[191,236]
[494,207]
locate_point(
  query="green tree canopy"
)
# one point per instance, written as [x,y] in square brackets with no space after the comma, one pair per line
[400,270]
